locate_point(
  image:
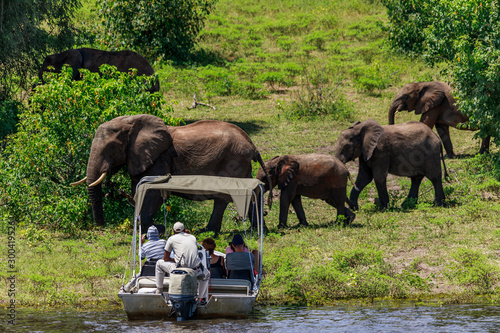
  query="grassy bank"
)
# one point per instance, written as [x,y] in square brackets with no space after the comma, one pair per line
[256,66]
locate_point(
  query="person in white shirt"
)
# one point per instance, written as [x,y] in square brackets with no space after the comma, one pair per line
[185,255]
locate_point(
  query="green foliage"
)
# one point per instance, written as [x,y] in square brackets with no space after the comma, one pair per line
[51,147]
[472,270]
[371,78]
[158,28]
[317,39]
[317,96]
[8,114]
[24,39]
[218,81]
[465,35]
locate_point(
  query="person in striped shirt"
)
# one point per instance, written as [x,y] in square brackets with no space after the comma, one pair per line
[154,247]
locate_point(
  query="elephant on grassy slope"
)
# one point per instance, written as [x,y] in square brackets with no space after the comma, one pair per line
[91,59]
[316,176]
[146,146]
[433,100]
[409,149]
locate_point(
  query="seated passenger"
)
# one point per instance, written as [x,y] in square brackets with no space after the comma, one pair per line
[152,250]
[239,239]
[217,266]
[240,263]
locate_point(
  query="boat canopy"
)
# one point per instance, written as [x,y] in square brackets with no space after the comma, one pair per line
[240,189]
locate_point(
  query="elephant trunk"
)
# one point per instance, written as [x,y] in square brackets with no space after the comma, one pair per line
[392,111]
[95,195]
[95,176]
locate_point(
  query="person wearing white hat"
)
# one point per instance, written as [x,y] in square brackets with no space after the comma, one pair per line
[185,251]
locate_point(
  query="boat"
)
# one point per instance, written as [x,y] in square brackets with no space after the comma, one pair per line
[228,298]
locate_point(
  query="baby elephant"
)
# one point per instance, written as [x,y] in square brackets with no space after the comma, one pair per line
[316,176]
[410,149]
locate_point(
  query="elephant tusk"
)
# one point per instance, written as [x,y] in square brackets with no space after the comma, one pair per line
[97,182]
[79,182]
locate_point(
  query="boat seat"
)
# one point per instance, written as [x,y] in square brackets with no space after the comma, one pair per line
[149,268]
[150,282]
[229,286]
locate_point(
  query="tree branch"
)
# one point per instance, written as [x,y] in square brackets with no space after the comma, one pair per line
[195,104]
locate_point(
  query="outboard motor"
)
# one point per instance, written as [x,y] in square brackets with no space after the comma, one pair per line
[183,291]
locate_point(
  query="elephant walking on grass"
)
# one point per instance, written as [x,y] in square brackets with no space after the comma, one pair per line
[316,176]
[433,100]
[92,59]
[147,147]
[410,149]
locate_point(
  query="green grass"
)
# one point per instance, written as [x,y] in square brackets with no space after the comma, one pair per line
[424,253]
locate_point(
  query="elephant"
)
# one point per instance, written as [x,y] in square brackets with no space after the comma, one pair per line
[409,149]
[317,176]
[147,146]
[433,100]
[91,59]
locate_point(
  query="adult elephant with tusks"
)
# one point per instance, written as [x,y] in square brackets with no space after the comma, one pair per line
[146,146]
[92,59]
[409,149]
[317,176]
[434,101]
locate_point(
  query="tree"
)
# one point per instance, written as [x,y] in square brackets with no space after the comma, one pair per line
[465,35]
[155,28]
[28,30]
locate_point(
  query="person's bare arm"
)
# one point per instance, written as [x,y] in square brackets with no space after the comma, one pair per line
[166,256]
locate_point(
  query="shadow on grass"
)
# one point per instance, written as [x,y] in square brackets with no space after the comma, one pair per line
[199,57]
[318,226]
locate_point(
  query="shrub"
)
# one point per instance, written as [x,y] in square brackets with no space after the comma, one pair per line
[472,270]
[370,78]
[317,96]
[8,114]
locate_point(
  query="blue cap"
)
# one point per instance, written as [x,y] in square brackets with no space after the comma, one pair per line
[237,240]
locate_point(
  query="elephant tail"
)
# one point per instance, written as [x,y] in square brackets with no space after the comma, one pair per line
[446,174]
[258,158]
[353,184]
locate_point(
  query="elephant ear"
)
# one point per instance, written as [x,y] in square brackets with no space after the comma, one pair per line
[430,96]
[355,124]
[371,131]
[149,138]
[287,169]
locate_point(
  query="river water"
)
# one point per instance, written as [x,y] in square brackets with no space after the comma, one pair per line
[449,318]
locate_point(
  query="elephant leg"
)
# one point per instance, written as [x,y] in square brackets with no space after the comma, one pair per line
[365,176]
[152,203]
[350,216]
[412,197]
[444,134]
[485,145]
[285,199]
[415,185]
[215,222]
[439,197]
[252,215]
[337,202]
[381,184]
[299,210]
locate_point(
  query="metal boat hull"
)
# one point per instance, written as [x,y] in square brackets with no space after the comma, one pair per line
[154,307]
